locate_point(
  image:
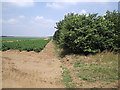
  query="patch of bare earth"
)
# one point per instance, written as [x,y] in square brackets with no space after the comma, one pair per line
[7,41]
[30,69]
[12,41]
[46,39]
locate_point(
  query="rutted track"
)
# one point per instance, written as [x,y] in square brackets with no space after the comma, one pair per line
[30,69]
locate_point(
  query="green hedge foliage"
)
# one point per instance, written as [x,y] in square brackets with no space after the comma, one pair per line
[88,33]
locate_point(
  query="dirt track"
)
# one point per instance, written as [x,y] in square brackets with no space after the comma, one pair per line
[30,69]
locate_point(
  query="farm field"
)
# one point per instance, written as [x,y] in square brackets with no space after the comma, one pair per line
[50,69]
[69,45]
[21,43]
[19,38]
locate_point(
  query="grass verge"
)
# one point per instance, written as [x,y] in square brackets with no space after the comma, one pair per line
[99,70]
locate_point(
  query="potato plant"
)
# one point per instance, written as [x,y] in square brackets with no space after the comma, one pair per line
[29,45]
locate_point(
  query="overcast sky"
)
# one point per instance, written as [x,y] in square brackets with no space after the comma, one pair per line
[39,18]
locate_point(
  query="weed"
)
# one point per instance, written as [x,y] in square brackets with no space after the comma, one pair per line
[67,79]
[66,76]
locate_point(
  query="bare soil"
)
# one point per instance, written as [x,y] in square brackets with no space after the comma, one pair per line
[46,39]
[11,41]
[31,70]
[7,41]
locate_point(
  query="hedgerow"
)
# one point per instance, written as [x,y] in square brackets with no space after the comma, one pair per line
[88,33]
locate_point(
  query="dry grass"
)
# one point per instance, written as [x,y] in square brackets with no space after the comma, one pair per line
[93,71]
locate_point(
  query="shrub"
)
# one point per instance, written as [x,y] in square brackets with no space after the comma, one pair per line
[115,18]
[87,34]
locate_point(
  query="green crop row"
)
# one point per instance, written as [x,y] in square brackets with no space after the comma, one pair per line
[29,45]
[19,38]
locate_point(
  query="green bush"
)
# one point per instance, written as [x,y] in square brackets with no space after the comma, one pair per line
[115,18]
[87,34]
